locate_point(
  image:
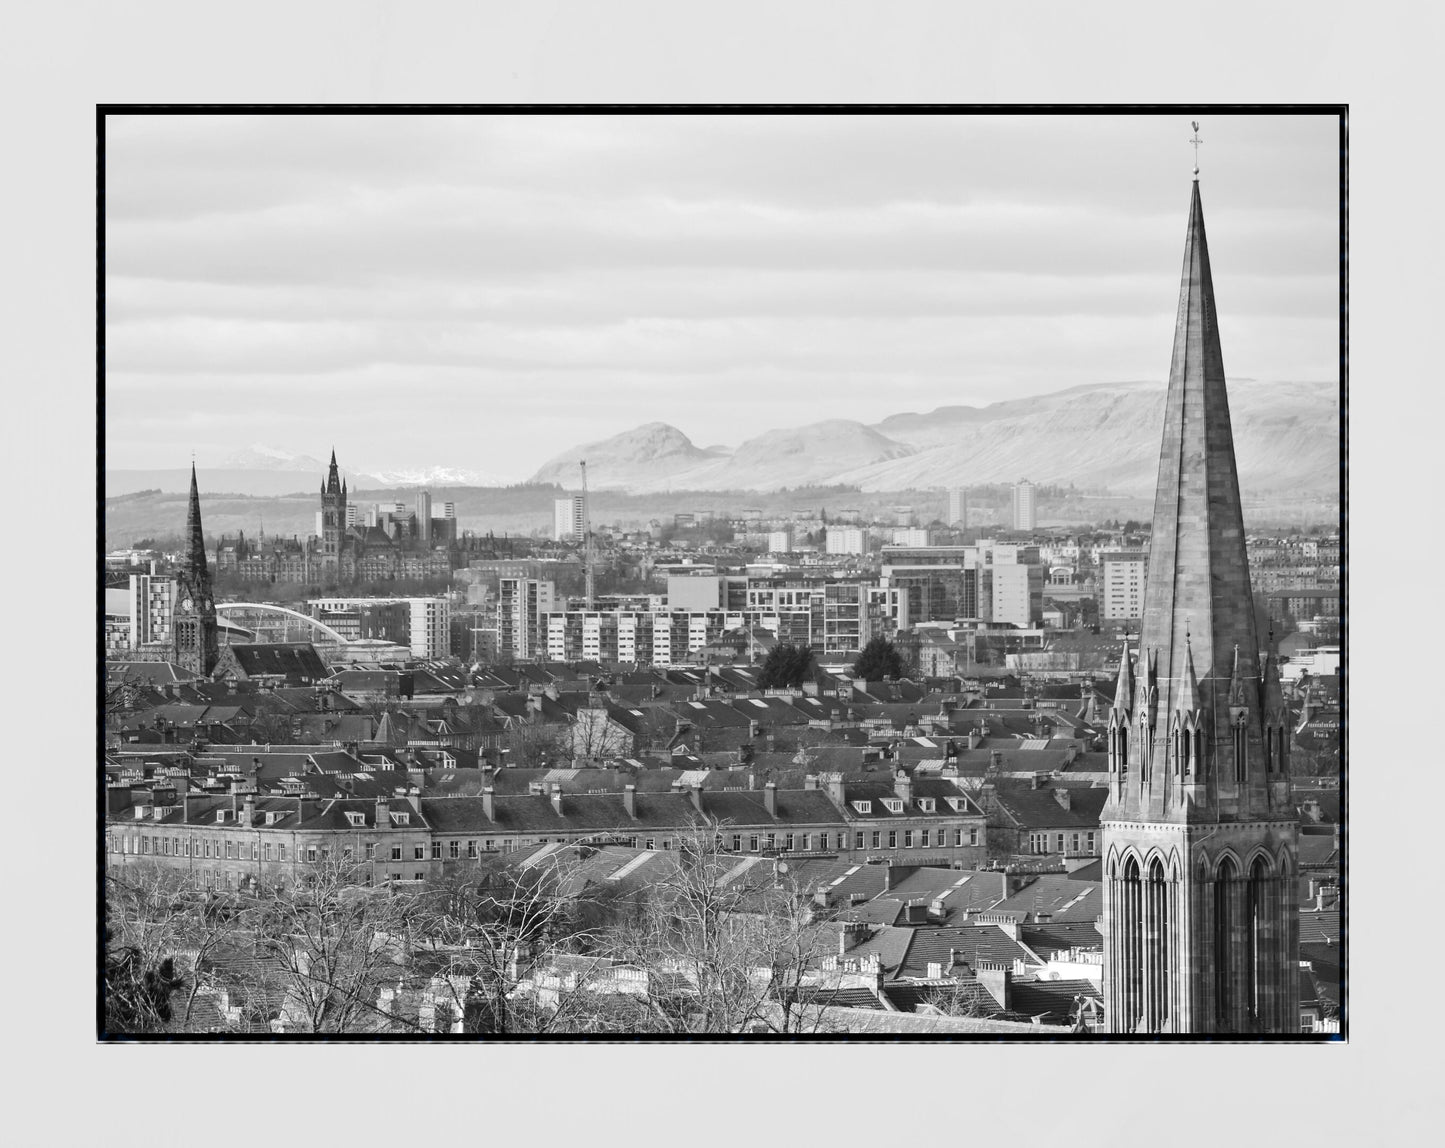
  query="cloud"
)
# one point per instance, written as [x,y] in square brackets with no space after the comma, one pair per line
[722,273]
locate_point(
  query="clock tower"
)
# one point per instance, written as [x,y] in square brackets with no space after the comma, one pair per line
[195,642]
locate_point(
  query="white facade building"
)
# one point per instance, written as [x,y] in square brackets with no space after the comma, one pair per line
[1023,506]
[847,540]
[1122,591]
[569,519]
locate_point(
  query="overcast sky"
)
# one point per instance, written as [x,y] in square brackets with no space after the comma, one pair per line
[486,291]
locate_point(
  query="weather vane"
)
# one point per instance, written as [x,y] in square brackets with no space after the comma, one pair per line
[1196,141]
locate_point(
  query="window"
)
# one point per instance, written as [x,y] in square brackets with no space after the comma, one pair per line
[421,876]
[753,843]
[371,850]
[737,842]
[958,837]
[311,853]
[418,852]
[230,850]
[876,838]
[281,851]
[1061,842]
[145,844]
[973,836]
[908,839]
[772,841]
[489,843]
[857,841]
[788,842]
[255,850]
[1091,842]
[651,843]
[454,849]
[471,848]
[188,846]
[165,846]
[396,856]
[346,853]
[863,806]
[893,839]
[923,837]
[1074,843]
[667,842]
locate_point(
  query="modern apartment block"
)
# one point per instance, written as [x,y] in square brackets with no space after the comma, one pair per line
[139,612]
[1024,517]
[521,605]
[569,519]
[847,540]
[428,621]
[1121,594]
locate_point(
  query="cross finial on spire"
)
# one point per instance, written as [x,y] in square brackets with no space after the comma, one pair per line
[1196,141]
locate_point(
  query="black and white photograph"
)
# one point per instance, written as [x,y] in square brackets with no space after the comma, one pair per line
[720,574]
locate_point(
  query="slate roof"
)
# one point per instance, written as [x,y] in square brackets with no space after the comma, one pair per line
[1048,937]
[1059,896]
[299,662]
[150,673]
[1029,808]
[1051,1000]
[972,943]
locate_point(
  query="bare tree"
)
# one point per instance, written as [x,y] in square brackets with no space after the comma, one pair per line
[724,952]
[159,934]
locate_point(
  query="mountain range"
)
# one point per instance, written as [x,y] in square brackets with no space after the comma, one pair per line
[1286,438]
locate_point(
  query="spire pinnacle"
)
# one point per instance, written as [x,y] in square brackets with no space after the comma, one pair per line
[1124,691]
[1196,141]
[1189,695]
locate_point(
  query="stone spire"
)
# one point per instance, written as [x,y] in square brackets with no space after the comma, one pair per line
[333,481]
[1124,691]
[195,558]
[1197,601]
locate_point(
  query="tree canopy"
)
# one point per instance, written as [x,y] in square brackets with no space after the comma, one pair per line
[786,667]
[880,659]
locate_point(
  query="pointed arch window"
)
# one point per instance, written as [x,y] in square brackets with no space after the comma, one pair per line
[1241,749]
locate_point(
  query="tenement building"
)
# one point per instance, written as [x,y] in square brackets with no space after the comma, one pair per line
[1200,835]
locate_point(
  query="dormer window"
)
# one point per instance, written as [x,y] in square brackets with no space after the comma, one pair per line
[272,816]
[221,816]
[893,804]
[401,818]
[925,804]
[863,806]
[356,820]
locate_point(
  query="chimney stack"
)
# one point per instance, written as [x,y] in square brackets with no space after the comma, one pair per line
[383,813]
[696,795]
[629,800]
[997,978]
[770,798]
[557,798]
[489,806]
[903,787]
[248,810]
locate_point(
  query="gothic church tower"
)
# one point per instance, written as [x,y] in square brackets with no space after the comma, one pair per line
[333,523]
[1201,924]
[195,642]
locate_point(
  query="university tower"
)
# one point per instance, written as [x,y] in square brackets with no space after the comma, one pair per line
[1200,834]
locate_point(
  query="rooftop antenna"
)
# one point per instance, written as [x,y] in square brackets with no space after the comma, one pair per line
[1196,141]
[587,539]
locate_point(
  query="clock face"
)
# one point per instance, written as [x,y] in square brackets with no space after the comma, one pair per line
[186,603]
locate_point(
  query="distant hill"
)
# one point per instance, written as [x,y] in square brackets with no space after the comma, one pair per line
[1286,439]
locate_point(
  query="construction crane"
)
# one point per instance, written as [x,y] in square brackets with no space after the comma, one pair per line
[587,539]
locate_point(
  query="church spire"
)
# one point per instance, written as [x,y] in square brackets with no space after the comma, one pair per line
[195,558]
[1198,589]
